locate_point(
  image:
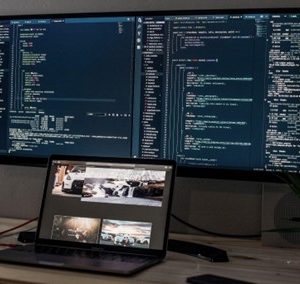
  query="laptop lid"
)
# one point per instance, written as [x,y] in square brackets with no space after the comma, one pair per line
[114,204]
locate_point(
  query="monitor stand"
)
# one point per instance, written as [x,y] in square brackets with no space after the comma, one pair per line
[201,251]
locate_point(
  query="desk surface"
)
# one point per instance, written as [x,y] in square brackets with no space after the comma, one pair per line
[249,261]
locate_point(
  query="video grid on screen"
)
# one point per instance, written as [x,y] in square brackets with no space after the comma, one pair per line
[110,185]
[113,232]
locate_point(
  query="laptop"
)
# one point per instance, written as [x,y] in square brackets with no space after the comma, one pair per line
[106,215]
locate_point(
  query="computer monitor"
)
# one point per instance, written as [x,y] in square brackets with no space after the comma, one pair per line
[213,90]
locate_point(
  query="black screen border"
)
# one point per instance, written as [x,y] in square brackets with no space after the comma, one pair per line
[90,159]
[182,170]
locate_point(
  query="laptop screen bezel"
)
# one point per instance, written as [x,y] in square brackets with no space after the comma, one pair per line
[100,247]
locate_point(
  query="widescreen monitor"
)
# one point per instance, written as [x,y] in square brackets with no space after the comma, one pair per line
[216,90]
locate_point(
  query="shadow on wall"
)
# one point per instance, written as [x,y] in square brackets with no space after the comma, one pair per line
[221,206]
[21,191]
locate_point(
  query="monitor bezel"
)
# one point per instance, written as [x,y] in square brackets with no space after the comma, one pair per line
[259,175]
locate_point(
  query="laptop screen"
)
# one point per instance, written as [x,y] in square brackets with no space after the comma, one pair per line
[107,202]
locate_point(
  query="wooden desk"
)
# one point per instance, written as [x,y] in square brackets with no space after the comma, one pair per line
[249,261]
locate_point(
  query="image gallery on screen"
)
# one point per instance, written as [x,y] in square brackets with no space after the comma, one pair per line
[110,185]
[98,194]
[98,231]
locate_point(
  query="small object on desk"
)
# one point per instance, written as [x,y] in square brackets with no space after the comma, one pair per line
[214,279]
[26,237]
[201,251]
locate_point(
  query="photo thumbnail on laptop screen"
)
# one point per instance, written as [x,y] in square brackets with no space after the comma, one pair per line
[104,203]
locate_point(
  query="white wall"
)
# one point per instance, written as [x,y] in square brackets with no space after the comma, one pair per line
[223,206]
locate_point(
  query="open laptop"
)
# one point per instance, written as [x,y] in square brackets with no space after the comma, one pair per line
[107,215]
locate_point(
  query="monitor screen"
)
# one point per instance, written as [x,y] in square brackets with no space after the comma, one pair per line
[211,89]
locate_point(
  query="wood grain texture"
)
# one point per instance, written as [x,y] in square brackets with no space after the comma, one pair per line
[249,261]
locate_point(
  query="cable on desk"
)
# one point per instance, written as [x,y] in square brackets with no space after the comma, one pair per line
[14,233]
[8,245]
[18,226]
[213,233]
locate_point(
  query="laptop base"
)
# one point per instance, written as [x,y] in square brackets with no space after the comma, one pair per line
[27,255]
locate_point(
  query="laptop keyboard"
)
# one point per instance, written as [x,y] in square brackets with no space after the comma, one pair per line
[108,256]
